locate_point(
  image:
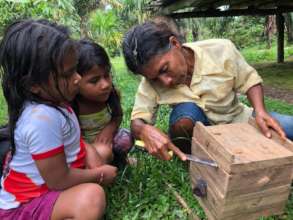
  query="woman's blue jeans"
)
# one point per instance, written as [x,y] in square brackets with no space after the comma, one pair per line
[193,112]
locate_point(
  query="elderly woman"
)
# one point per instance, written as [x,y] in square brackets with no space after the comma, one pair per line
[200,81]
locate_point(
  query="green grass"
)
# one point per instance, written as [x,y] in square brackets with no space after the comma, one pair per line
[3,109]
[260,54]
[277,75]
[274,74]
[141,192]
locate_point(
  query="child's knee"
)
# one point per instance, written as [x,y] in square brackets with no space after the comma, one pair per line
[92,200]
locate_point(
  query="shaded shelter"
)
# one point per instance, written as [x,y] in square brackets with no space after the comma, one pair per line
[179,9]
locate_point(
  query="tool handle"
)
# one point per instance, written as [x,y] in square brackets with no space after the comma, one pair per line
[141,144]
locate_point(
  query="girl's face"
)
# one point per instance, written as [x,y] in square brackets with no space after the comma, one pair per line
[65,86]
[96,84]
[69,79]
[169,69]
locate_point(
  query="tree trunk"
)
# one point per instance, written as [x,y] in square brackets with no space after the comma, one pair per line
[289,27]
[280,20]
[194,34]
[83,27]
[270,29]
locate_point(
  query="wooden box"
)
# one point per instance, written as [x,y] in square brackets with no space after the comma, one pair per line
[254,174]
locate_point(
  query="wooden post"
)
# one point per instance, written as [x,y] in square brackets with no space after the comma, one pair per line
[280,20]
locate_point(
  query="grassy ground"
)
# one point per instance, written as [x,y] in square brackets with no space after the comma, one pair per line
[277,75]
[260,54]
[141,192]
[3,109]
[264,60]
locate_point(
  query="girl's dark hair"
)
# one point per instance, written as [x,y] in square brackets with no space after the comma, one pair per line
[144,41]
[91,54]
[31,51]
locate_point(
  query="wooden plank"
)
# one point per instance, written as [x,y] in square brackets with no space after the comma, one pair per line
[208,202]
[217,178]
[250,149]
[285,143]
[200,4]
[224,157]
[246,143]
[178,5]
[231,12]
[213,212]
[247,182]
[254,202]
[247,203]
[276,209]
[253,186]
[258,180]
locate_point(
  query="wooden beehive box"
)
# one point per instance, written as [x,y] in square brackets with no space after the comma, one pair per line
[254,174]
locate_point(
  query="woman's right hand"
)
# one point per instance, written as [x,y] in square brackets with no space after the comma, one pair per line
[107,174]
[158,143]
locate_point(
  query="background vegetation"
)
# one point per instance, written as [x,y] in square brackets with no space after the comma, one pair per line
[107,20]
[141,191]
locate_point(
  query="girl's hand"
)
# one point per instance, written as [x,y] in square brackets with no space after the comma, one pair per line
[106,136]
[158,144]
[265,122]
[92,159]
[107,174]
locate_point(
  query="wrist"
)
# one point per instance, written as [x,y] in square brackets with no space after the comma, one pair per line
[260,111]
[144,130]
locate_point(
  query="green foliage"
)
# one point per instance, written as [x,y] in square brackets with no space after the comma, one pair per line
[105,29]
[243,31]
[133,12]
[259,53]
[3,109]
[61,11]
[83,7]
[277,75]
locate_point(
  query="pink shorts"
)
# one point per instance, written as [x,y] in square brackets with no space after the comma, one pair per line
[37,209]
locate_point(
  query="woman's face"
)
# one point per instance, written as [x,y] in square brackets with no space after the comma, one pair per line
[168,69]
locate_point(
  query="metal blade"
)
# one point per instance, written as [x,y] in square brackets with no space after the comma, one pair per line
[201,161]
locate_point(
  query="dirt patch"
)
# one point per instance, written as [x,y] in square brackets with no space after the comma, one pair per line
[281,94]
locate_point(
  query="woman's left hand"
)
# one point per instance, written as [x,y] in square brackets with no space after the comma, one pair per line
[265,122]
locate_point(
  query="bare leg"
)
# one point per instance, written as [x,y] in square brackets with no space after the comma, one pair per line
[85,201]
[181,134]
[182,120]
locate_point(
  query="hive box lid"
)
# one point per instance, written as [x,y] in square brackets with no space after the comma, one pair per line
[242,147]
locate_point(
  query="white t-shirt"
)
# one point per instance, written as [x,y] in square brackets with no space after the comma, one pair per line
[41,132]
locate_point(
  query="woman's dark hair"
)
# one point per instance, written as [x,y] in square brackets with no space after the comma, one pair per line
[144,41]
[31,51]
[91,54]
